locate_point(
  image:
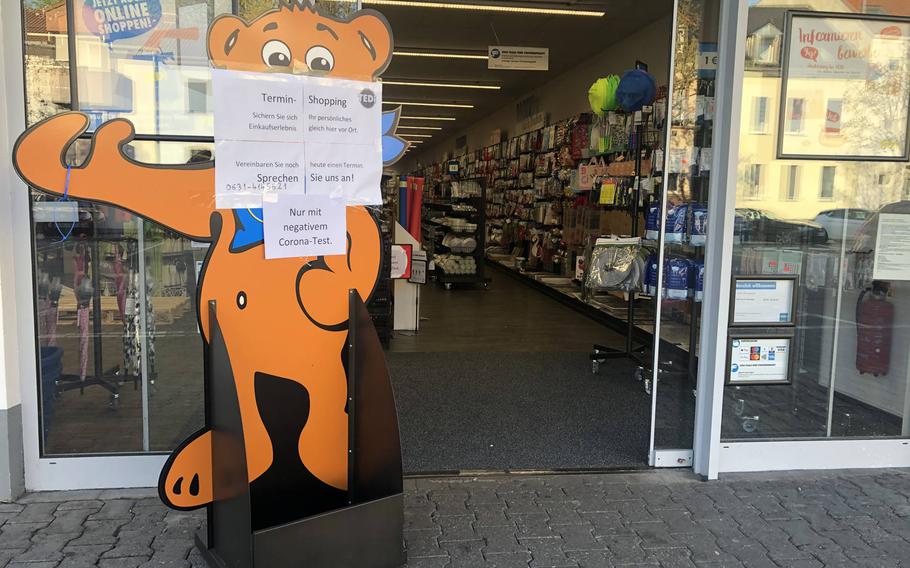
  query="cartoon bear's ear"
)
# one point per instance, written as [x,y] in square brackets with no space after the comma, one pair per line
[224,33]
[375,36]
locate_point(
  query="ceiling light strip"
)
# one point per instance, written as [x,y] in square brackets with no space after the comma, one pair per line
[446,118]
[439,55]
[411,135]
[400,126]
[490,7]
[444,85]
[440,105]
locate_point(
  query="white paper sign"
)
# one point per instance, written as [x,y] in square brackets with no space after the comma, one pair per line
[761,301]
[892,247]
[264,107]
[340,111]
[293,134]
[245,172]
[55,212]
[760,360]
[303,225]
[518,58]
[348,171]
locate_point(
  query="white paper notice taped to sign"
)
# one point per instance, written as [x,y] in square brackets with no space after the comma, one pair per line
[892,247]
[303,225]
[288,134]
[245,172]
[518,58]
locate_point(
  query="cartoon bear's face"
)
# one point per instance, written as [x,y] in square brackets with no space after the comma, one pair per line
[357,49]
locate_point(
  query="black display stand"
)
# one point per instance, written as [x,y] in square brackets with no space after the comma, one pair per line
[438,231]
[368,531]
[601,353]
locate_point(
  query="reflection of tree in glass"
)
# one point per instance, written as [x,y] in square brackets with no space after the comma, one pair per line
[250,9]
[876,123]
[685,65]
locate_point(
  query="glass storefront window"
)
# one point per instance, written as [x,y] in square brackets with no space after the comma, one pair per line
[837,365]
[121,355]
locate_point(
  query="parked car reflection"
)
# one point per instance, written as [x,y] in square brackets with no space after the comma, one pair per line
[758,225]
[834,221]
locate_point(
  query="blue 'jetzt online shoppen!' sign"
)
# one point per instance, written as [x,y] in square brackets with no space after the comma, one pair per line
[120,19]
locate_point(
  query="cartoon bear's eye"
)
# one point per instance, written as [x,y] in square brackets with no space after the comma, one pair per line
[276,54]
[320,59]
[241,299]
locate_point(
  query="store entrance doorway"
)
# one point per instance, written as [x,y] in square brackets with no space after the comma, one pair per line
[500,379]
[491,363]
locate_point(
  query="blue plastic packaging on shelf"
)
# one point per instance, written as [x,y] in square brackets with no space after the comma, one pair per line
[651,275]
[698,234]
[698,268]
[677,279]
[652,222]
[676,224]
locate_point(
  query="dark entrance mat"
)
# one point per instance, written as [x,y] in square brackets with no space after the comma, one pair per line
[518,411]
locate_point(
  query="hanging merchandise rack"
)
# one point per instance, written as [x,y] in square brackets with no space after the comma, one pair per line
[601,353]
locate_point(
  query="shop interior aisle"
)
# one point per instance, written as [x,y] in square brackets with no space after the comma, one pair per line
[500,379]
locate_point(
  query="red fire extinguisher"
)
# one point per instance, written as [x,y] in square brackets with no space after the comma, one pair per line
[874,322]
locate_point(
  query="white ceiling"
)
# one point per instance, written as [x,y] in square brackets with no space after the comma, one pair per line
[571,40]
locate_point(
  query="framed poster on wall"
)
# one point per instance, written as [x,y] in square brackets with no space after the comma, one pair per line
[759,359]
[845,88]
[763,300]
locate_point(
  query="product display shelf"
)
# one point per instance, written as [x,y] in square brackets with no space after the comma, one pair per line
[456,214]
[606,308]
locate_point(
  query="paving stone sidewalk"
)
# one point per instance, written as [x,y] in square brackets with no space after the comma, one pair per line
[669,519]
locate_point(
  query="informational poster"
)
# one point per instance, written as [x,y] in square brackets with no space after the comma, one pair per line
[418,267]
[518,58]
[401,262]
[303,225]
[296,135]
[760,360]
[763,301]
[845,88]
[892,247]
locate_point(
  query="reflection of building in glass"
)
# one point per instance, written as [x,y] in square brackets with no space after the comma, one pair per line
[801,189]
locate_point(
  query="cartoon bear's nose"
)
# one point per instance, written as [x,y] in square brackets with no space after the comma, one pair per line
[241,299]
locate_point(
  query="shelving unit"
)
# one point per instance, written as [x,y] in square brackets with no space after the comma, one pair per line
[539,220]
[455,214]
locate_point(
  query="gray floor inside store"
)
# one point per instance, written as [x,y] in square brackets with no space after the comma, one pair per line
[500,379]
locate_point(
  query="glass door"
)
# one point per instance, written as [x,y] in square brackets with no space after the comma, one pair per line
[120,374]
[120,380]
[679,226]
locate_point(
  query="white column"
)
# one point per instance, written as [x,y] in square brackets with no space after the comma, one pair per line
[17,343]
[712,360]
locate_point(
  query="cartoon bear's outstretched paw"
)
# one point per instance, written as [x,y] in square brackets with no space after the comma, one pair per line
[186,479]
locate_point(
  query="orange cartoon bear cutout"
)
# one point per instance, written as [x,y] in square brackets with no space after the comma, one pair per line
[283,321]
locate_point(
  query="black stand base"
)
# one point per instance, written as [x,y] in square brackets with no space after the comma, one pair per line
[367,535]
[368,532]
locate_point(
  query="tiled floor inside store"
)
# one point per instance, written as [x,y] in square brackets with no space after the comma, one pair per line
[663,518]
